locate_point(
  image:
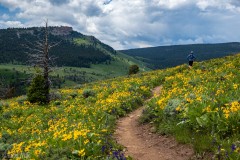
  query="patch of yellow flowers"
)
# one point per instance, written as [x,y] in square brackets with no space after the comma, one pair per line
[75,125]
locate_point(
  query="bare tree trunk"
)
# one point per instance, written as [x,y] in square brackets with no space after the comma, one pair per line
[46,64]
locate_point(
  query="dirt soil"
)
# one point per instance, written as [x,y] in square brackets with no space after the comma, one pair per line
[142,144]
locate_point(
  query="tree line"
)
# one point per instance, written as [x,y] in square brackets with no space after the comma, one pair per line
[169,56]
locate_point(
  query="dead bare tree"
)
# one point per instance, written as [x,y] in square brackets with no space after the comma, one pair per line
[46,68]
[41,60]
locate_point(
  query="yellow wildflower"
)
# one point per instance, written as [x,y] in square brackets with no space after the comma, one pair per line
[86,141]
[81,152]
[199,99]
[27,149]
[99,142]
[226,115]
[219,91]
[178,108]
[37,152]
[207,109]
[235,106]
[235,86]
[66,137]
[76,134]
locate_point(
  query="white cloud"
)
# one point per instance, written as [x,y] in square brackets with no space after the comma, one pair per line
[134,23]
[229,5]
[11,24]
[141,44]
[190,41]
[172,4]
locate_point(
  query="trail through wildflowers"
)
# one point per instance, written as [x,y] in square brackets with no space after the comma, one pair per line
[203,101]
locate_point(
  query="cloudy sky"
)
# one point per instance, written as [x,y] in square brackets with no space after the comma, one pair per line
[125,24]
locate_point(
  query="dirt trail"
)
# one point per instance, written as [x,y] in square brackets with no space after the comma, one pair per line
[141,144]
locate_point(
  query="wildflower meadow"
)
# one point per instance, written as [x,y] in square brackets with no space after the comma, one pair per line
[77,125]
[200,106]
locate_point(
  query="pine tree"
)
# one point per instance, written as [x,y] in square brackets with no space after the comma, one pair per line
[37,91]
[133,69]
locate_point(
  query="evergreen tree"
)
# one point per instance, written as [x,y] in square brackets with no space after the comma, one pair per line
[37,91]
[133,69]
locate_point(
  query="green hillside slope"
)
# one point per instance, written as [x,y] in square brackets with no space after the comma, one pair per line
[15,44]
[169,56]
[66,76]
[79,58]
[199,106]
[74,49]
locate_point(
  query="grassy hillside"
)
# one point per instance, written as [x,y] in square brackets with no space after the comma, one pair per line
[201,106]
[76,125]
[79,58]
[198,103]
[11,82]
[68,76]
[169,56]
[119,66]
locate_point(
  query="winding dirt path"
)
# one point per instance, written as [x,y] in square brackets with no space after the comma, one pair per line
[141,144]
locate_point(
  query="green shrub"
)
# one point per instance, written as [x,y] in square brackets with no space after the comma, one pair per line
[133,69]
[21,99]
[57,103]
[36,92]
[55,96]
[3,149]
[170,109]
[88,92]
[79,86]
[4,104]
[7,115]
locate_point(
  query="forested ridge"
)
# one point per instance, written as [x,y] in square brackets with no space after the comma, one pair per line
[74,49]
[169,56]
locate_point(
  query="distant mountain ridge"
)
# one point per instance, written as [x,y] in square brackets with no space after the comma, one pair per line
[75,49]
[169,56]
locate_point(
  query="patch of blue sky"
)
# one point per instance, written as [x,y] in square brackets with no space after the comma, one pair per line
[10,15]
[3,10]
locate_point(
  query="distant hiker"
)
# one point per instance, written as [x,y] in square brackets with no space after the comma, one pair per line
[190,59]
